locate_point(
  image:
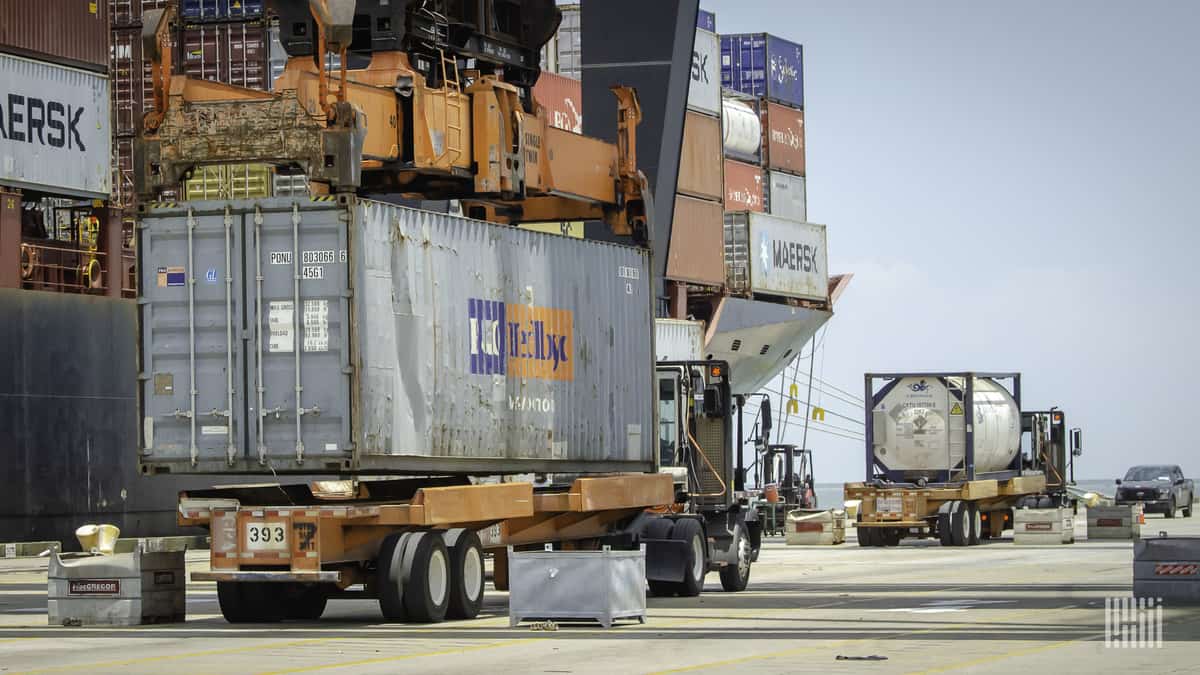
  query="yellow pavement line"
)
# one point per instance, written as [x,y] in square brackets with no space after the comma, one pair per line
[401,657]
[172,657]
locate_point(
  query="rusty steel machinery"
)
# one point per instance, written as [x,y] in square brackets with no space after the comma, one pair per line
[423,99]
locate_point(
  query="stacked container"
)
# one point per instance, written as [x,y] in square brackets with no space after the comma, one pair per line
[696,234]
[764,78]
[220,40]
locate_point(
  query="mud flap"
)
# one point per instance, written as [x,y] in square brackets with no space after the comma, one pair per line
[665,559]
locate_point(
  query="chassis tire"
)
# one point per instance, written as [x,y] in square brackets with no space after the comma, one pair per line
[660,528]
[960,525]
[1170,513]
[891,536]
[1187,510]
[976,523]
[305,602]
[249,602]
[389,577]
[696,562]
[466,574]
[735,577]
[945,527]
[426,577]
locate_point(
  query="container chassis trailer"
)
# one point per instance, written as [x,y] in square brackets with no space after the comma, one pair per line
[962,507]
[417,545]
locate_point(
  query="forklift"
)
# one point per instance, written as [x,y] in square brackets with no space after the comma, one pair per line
[785,473]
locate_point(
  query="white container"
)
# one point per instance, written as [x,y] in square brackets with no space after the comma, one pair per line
[741,129]
[815,527]
[127,589]
[55,129]
[1114,522]
[776,256]
[600,585]
[919,426]
[786,196]
[704,91]
[1043,526]
[678,340]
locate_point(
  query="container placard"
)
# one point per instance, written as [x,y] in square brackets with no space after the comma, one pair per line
[282,322]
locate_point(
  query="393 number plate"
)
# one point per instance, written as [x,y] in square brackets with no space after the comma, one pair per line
[269,536]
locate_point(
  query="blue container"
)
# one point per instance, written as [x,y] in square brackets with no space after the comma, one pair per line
[762,65]
[706,21]
[221,10]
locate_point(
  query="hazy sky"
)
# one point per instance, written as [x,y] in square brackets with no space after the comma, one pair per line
[1014,186]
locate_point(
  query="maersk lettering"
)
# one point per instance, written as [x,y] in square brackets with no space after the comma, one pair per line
[795,256]
[699,67]
[41,122]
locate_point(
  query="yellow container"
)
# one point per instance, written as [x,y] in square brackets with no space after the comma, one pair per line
[229,181]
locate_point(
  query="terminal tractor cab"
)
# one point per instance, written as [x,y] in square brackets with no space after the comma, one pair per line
[712,527]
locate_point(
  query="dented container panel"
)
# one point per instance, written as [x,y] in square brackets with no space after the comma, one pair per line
[384,357]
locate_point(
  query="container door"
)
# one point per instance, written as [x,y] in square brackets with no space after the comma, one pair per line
[299,333]
[192,351]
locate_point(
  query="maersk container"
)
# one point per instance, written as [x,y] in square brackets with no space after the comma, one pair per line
[759,64]
[704,89]
[354,337]
[55,129]
[775,256]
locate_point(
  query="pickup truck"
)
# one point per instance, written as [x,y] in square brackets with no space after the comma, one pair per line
[1159,487]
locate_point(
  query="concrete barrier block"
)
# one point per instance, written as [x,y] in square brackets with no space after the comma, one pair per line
[1043,526]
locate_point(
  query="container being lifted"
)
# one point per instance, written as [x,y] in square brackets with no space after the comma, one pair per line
[945,458]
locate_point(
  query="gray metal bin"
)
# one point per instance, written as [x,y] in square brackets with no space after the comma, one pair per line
[1167,568]
[602,585]
[126,589]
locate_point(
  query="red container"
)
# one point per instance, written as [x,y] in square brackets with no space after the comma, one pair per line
[783,138]
[743,186]
[66,32]
[231,53]
[563,99]
[697,242]
[129,12]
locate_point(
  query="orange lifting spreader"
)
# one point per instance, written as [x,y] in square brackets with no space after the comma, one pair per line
[385,129]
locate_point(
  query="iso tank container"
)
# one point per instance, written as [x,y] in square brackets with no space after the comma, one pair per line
[356,337]
[741,129]
[54,129]
[762,65]
[920,424]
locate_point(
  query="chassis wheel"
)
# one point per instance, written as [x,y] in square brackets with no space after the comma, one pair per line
[735,577]
[389,577]
[976,524]
[250,602]
[466,574]
[305,602]
[425,571]
[696,562]
[660,528]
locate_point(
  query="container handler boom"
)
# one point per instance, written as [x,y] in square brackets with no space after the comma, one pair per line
[443,110]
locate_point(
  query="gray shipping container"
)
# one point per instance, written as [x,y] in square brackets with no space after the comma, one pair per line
[785,196]
[387,340]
